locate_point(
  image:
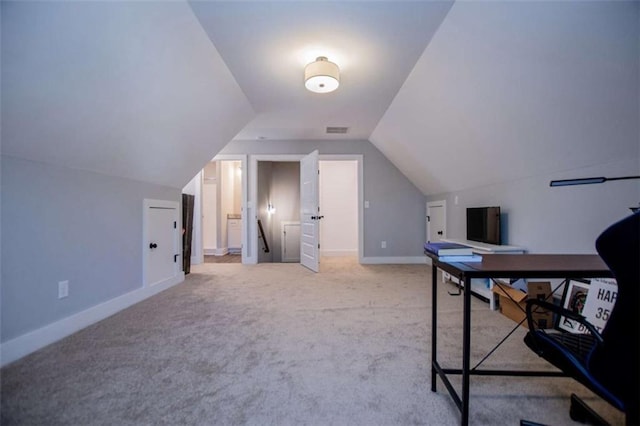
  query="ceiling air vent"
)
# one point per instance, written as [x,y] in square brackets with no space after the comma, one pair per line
[337,130]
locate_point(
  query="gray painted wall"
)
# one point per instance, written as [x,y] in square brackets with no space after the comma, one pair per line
[130,89]
[508,90]
[551,220]
[541,91]
[65,224]
[397,208]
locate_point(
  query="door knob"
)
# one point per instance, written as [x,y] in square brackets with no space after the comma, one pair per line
[153,245]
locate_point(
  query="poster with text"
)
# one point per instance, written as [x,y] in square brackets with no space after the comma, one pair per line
[603,293]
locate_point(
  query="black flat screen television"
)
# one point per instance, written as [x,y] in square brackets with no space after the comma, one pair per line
[483,224]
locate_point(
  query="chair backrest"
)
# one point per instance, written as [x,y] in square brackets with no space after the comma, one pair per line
[615,363]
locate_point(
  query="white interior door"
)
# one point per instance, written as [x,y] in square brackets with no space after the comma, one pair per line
[160,242]
[339,204]
[436,221]
[309,212]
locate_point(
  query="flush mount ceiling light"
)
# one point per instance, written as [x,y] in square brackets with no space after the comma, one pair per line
[321,76]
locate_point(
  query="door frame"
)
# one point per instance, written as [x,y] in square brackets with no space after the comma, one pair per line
[358,158]
[439,203]
[252,226]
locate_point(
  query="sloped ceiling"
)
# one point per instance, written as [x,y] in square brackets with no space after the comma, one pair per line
[131,89]
[151,91]
[266,45]
[508,90]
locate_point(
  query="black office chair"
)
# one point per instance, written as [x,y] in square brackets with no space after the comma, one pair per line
[607,362]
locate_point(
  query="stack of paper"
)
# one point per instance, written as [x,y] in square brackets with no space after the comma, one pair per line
[452,252]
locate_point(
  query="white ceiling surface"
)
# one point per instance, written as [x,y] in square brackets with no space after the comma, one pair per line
[511,90]
[455,96]
[267,44]
[128,89]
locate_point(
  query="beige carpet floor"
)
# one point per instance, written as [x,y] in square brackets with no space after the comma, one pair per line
[274,344]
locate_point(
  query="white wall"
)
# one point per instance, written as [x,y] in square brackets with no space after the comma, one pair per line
[339,206]
[229,196]
[209,208]
[237,187]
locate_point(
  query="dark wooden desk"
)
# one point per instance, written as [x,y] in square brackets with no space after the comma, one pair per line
[562,266]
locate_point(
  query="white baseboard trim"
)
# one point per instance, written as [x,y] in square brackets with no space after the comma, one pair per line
[338,253]
[216,251]
[393,260]
[20,346]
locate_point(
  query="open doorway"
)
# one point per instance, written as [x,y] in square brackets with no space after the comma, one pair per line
[338,190]
[222,194]
[277,200]
[278,210]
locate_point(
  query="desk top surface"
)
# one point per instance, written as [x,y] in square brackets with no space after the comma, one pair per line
[530,266]
[486,248]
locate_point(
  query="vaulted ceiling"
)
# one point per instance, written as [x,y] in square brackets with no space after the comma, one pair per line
[266,46]
[456,95]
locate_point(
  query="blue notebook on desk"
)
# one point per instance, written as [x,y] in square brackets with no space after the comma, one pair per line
[448,249]
[461,258]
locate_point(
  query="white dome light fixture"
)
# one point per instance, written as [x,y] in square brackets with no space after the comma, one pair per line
[321,76]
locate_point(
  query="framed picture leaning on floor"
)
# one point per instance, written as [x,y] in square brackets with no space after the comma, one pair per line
[574,299]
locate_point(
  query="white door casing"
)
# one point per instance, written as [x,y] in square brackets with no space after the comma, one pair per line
[251,242]
[309,212]
[161,250]
[436,220]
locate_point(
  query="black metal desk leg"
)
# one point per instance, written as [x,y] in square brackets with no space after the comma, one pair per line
[466,350]
[434,322]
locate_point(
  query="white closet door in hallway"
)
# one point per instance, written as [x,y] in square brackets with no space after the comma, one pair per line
[339,206]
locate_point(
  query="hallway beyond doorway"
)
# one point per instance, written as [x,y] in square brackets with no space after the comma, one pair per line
[227,258]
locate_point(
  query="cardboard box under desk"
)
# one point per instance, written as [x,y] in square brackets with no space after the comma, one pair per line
[513,302]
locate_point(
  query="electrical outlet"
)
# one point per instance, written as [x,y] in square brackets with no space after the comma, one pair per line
[63,289]
[383,244]
[366,204]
